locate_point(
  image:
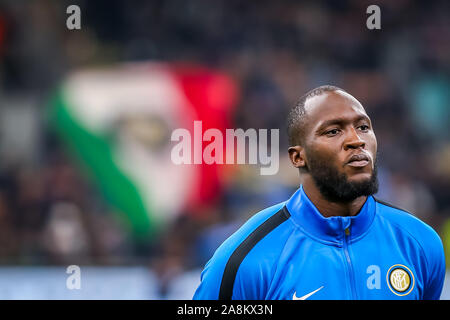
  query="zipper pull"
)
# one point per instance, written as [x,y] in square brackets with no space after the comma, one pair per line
[347,231]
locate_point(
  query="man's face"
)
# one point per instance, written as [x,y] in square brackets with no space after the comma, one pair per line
[340,147]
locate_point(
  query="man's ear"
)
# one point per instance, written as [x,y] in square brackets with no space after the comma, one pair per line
[297,156]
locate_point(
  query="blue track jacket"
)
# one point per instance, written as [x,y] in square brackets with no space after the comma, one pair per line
[290,251]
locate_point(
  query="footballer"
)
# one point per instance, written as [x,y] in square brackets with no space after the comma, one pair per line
[332,239]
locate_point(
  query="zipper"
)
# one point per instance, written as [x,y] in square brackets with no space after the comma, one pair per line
[349,262]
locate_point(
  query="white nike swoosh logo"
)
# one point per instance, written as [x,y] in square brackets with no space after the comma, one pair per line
[306,296]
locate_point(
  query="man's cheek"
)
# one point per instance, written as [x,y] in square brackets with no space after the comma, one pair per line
[321,159]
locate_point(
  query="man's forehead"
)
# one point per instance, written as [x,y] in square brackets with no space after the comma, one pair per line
[332,104]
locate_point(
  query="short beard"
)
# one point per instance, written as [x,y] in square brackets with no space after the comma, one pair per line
[335,187]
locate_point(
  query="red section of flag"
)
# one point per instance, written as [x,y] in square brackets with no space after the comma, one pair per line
[213,96]
[2,33]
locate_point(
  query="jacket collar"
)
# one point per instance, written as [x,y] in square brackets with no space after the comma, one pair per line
[332,229]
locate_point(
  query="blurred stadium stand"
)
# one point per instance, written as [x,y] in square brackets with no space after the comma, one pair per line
[52,215]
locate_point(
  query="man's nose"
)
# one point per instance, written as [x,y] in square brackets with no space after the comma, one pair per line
[353,140]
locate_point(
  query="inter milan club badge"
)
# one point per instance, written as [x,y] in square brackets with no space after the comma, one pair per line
[400,279]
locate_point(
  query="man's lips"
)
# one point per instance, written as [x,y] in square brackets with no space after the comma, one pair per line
[358,160]
[358,164]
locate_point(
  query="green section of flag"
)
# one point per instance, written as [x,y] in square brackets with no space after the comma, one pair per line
[95,153]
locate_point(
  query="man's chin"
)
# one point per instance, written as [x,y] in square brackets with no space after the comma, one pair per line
[363,186]
[344,186]
[360,178]
[347,189]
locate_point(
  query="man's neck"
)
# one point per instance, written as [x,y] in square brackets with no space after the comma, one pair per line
[328,208]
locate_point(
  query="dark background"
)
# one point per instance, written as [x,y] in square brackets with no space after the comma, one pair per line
[275,51]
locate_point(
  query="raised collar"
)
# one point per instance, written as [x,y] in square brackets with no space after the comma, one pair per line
[331,229]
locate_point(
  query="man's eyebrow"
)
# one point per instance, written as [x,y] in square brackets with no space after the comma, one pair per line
[342,121]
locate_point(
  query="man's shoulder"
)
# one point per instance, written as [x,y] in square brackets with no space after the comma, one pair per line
[220,272]
[408,224]
[258,225]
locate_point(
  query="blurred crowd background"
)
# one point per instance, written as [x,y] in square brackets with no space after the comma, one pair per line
[274,51]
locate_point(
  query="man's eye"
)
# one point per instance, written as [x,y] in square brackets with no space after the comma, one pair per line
[364,127]
[332,132]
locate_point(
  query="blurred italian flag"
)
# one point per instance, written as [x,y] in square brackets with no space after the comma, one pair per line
[117,122]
